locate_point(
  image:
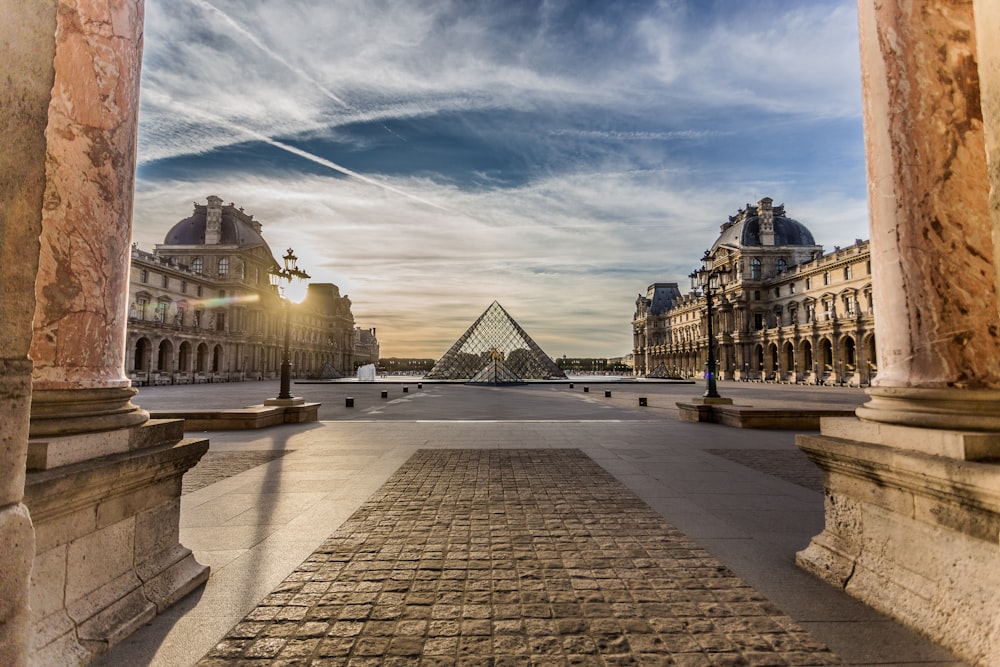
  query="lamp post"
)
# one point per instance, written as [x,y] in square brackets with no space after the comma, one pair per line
[704,277]
[283,280]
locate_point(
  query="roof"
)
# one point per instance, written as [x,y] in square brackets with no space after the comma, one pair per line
[744,230]
[235,230]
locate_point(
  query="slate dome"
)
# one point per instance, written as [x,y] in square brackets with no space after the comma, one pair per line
[744,230]
[235,231]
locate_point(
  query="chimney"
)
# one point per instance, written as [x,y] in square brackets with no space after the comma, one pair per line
[213,221]
[765,216]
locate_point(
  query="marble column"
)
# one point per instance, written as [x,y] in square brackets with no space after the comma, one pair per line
[988,23]
[937,324]
[103,482]
[78,345]
[911,486]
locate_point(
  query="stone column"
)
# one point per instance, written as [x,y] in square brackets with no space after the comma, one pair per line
[78,345]
[26,49]
[912,509]
[103,482]
[939,345]
[987,23]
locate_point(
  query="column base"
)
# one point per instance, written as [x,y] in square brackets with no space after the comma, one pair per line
[56,412]
[946,408]
[911,534]
[107,555]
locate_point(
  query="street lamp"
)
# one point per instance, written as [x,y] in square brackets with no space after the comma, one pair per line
[707,278]
[290,285]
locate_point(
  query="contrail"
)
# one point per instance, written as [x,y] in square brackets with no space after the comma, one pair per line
[209,7]
[167,101]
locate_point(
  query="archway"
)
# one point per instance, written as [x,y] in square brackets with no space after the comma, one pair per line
[807,358]
[141,358]
[201,361]
[826,356]
[772,361]
[789,361]
[871,361]
[164,356]
[184,357]
[217,359]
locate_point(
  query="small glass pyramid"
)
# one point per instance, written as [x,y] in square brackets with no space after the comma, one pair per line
[495,350]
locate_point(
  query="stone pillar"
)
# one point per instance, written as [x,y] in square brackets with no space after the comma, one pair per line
[103,482]
[912,509]
[938,347]
[26,49]
[987,23]
[78,345]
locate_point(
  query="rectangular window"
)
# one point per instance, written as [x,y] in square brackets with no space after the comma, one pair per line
[184,287]
[758,321]
[808,283]
[847,272]
[166,282]
[199,290]
[161,312]
[220,321]
[143,276]
[140,306]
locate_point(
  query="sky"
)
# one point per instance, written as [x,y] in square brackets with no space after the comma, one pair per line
[557,156]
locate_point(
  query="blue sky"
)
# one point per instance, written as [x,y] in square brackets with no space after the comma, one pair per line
[558,156]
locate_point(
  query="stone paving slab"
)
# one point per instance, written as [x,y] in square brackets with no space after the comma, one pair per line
[512,557]
[791,466]
[215,466]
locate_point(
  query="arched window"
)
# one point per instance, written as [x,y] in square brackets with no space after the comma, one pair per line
[197,265]
[781,265]
[755,269]
[223,266]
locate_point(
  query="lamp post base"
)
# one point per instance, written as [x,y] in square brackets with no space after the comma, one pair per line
[711,400]
[295,400]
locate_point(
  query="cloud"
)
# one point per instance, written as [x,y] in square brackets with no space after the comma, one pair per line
[559,156]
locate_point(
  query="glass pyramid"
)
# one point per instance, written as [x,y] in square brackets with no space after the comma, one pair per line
[495,341]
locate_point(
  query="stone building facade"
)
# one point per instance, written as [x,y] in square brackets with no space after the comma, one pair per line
[366,347]
[783,310]
[202,309]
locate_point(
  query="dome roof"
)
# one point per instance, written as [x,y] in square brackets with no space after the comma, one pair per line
[743,229]
[236,230]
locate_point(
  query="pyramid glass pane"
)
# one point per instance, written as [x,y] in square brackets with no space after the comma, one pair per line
[495,336]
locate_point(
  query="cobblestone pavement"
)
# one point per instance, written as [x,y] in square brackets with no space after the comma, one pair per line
[512,557]
[215,466]
[791,466]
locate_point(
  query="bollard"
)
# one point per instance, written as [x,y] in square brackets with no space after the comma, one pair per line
[420,385]
[385,394]
[586,390]
[406,390]
[570,385]
[607,393]
[642,401]
[349,402]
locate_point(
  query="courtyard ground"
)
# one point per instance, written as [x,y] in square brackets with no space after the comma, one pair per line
[539,524]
